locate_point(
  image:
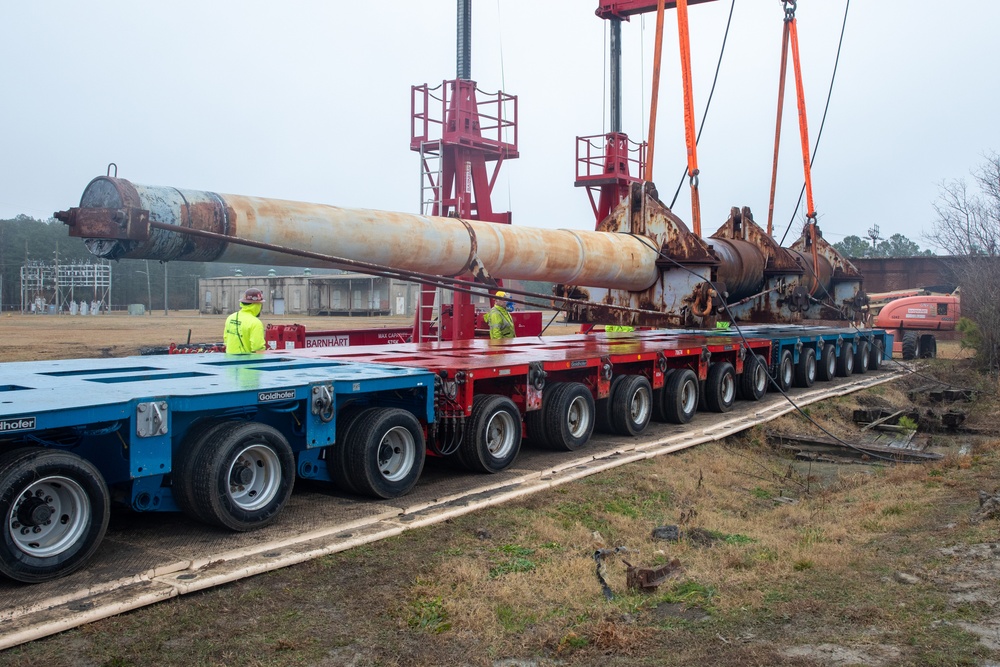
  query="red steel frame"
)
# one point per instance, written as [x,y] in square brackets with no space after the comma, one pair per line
[450,122]
[613,182]
[508,367]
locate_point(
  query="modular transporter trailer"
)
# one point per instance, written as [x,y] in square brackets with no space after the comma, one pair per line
[222,438]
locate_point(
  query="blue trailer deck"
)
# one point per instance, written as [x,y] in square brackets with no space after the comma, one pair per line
[220,437]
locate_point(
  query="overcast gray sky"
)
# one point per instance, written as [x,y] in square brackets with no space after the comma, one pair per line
[310,101]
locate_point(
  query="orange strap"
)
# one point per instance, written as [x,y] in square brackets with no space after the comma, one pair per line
[656,89]
[804,135]
[777,127]
[803,124]
[689,128]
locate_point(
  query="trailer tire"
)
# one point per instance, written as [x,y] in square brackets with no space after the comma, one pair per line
[243,476]
[567,417]
[827,368]
[631,405]
[752,383]
[336,455]
[845,362]
[805,370]
[55,507]
[786,371]
[911,345]
[660,398]
[603,407]
[493,437]
[720,387]
[184,466]
[680,396]
[877,355]
[385,453]
[862,357]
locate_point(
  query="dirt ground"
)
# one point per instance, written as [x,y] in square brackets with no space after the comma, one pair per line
[780,561]
[36,337]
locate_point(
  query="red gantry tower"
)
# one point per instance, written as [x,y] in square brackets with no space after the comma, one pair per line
[463,136]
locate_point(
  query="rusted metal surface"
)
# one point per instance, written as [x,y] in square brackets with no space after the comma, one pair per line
[650,578]
[421,243]
[684,261]
[741,267]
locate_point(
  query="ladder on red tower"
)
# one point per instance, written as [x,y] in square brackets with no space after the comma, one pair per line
[459,131]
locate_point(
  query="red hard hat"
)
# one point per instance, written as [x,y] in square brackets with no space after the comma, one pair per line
[252,295]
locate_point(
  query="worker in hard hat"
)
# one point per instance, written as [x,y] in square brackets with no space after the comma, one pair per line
[244,333]
[498,318]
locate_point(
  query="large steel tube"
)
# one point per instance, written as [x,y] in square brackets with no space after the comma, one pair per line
[815,282]
[442,246]
[741,266]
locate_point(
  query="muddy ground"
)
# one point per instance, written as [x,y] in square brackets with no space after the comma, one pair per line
[780,561]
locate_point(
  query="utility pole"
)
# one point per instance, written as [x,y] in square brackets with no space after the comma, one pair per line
[873,234]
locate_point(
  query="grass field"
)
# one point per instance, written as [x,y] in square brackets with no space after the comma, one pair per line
[782,562]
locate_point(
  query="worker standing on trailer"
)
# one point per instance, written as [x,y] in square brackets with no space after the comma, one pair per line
[244,333]
[498,318]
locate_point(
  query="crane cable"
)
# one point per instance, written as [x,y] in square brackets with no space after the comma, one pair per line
[822,124]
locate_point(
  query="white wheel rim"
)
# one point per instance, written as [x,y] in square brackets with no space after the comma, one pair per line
[254,477]
[689,396]
[500,434]
[831,363]
[640,406]
[786,370]
[759,377]
[578,417]
[49,516]
[728,388]
[397,452]
[811,369]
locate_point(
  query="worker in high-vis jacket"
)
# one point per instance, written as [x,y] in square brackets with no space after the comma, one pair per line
[244,333]
[498,318]
[612,328]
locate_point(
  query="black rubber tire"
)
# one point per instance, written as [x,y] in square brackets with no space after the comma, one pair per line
[862,357]
[492,436]
[720,387]
[680,396]
[660,397]
[386,453]
[928,347]
[753,381]
[73,489]
[336,454]
[602,408]
[826,370]
[786,371]
[184,465]
[877,355]
[911,345]
[845,362]
[262,453]
[568,412]
[805,370]
[631,405]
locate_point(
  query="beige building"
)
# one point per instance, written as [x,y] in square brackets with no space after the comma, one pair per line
[339,294]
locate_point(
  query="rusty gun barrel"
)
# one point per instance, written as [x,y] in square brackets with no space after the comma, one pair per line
[114,213]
